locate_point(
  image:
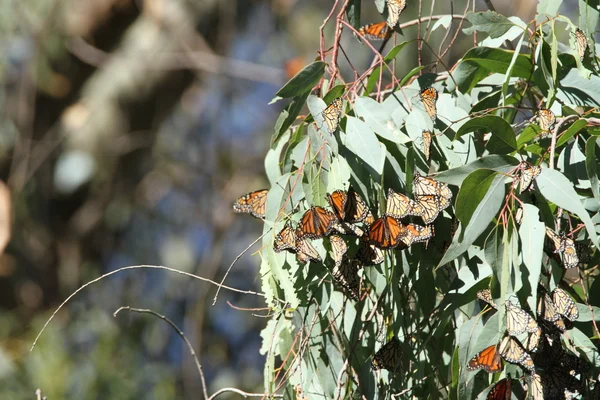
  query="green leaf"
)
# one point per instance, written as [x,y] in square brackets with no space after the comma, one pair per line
[528,134]
[410,74]
[571,131]
[472,191]
[490,22]
[288,116]
[479,220]
[532,233]
[591,165]
[361,140]
[353,13]
[559,190]
[509,70]
[503,139]
[498,163]
[379,117]
[304,80]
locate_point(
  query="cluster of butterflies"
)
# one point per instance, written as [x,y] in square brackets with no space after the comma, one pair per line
[552,371]
[350,215]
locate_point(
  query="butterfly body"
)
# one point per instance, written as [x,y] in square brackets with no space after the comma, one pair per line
[388,357]
[315,223]
[385,232]
[377,31]
[429,97]
[253,203]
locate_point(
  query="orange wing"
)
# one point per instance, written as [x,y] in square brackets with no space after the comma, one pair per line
[348,206]
[429,97]
[488,359]
[315,223]
[385,232]
[378,31]
[253,203]
[500,391]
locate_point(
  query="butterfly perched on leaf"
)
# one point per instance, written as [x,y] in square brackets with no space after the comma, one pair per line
[285,240]
[565,246]
[412,234]
[377,31]
[339,248]
[399,205]
[388,357]
[581,43]
[487,359]
[305,251]
[348,206]
[564,304]
[346,274]
[547,120]
[512,351]
[368,254]
[429,97]
[423,185]
[430,206]
[315,223]
[485,295]
[331,115]
[546,308]
[427,139]
[253,203]
[395,8]
[528,174]
[385,232]
[535,389]
[518,320]
[501,390]
[533,340]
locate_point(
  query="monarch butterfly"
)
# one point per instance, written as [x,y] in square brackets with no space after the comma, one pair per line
[315,223]
[369,255]
[427,138]
[518,321]
[528,174]
[385,232]
[546,308]
[423,185]
[429,97]
[395,8]
[346,274]
[412,233]
[581,43]
[285,239]
[485,295]
[565,304]
[388,357]
[533,341]
[513,352]
[378,31]
[338,249]
[547,119]
[252,203]
[535,390]
[430,206]
[399,205]
[332,114]
[566,246]
[305,252]
[488,359]
[348,206]
[501,390]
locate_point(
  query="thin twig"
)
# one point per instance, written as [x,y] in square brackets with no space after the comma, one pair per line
[234,261]
[242,393]
[178,331]
[138,267]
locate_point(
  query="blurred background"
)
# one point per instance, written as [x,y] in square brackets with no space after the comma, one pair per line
[127,130]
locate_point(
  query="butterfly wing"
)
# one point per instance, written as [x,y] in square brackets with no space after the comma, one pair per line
[399,205]
[485,295]
[385,232]
[315,223]
[487,359]
[427,138]
[415,233]
[546,308]
[430,206]
[513,352]
[389,356]
[518,321]
[501,390]
[429,97]
[338,249]
[528,175]
[253,203]
[535,390]
[569,253]
[346,275]
[533,341]
[581,43]
[395,8]
[332,114]
[565,304]
[355,209]
[368,254]
[377,31]
[423,185]
[547,119]
[285,240]
[305,252]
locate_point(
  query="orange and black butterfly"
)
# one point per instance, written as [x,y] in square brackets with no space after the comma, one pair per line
[346,274]
[395,8]
[305,251]
[565,246]
[368,254]
[512,351]
[339,248]
[385,232]
[535,389]
[315,223]
[565,304]
[533,341]
[285,240]
[485,295]
[430,206]
[253,203]
[528,174]
[348,206]
[429,97]
[423,185]
[518,321]
[427,139]
[378,31]
[581,43]
[547,120]
[500,391]
[487,359]
[412,234]
[331,115]
[389,356]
